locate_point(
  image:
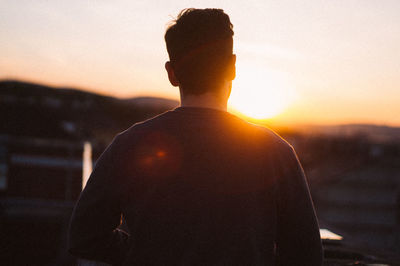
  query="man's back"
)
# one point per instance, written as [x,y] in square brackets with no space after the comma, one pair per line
[197,186]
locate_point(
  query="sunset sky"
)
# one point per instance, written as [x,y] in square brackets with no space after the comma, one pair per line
[310,62]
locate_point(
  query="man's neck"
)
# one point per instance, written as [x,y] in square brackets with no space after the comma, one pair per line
[205,100]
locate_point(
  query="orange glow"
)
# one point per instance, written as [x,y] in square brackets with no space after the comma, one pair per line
[260,93]
[160,153]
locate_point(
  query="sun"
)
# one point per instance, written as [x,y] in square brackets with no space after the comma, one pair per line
[260,93]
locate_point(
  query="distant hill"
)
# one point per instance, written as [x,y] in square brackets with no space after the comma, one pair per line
[35,110]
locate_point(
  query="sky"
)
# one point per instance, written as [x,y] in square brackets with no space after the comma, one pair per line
[315,62]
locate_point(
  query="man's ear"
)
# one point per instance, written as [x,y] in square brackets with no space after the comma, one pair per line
[232,67]
[171,74]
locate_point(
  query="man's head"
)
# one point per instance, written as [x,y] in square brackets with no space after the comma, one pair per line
[200,45]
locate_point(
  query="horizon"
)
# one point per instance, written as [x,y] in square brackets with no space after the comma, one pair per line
[325,63]
[265,122]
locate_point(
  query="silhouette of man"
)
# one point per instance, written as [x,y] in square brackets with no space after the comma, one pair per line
[197,185]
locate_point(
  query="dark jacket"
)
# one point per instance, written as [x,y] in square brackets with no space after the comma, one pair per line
[197,186]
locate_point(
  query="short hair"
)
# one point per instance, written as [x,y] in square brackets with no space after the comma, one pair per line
[200,43]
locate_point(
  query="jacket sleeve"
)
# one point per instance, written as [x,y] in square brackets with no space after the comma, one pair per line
[93,232]
[298,238]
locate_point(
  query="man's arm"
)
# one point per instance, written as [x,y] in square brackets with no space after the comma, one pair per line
[93,234]
[298,238]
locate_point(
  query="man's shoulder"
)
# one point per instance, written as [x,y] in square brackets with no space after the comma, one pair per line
[126,138]
[145,125]
[264,134]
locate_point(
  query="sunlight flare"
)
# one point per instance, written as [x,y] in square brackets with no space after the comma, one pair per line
[260,93]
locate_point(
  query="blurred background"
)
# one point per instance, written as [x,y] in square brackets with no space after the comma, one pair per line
[324,75]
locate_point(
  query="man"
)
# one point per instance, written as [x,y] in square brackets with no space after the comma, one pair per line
[197,185]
